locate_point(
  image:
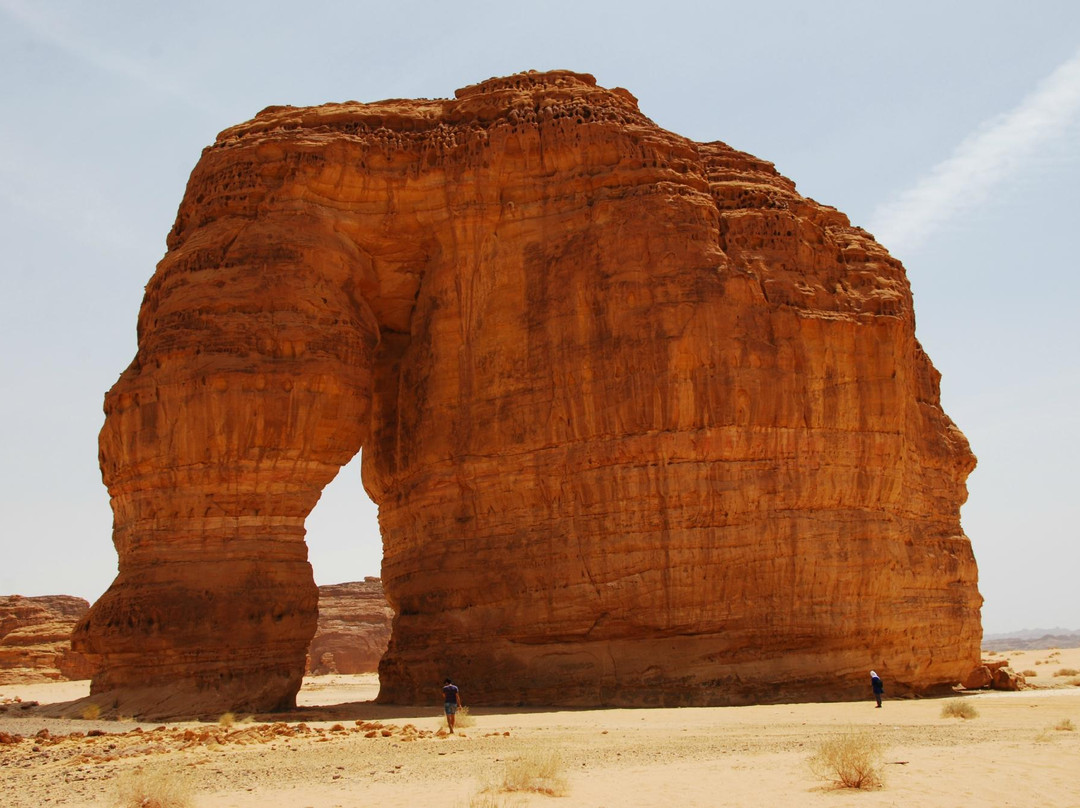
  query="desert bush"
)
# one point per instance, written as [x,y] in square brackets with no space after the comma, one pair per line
[1065,726]
[227,719]
[1075,681]
[958,708]
[1066,672]
[153,789]
[539,771]
[851,760]
[463,719]
[1030,672]
[90,712]
[491,799]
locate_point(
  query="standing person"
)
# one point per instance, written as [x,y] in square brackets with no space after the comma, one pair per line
[451,702]
[879,687]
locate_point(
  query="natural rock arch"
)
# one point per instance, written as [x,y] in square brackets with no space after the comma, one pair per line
[644,425]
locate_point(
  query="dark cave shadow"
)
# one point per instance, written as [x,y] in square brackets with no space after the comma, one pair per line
[373,711]
[345,711]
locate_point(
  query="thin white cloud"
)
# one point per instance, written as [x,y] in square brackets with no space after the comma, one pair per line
[1000,149]
[63,35]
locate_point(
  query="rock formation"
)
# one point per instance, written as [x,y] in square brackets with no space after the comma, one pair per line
[353,629]
[35,639]
[994,674]
[644,425]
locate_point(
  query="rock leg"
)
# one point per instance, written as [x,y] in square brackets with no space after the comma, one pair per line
[251,388]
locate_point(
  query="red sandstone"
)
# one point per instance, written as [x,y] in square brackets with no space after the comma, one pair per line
[644,425]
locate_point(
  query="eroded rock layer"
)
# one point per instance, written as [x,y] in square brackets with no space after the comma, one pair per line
[35,639]
[644,425]
[353,629]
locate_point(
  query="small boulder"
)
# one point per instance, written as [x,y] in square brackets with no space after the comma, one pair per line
[1007,679]
[978,679]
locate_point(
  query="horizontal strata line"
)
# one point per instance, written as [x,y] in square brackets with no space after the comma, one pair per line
[741,434]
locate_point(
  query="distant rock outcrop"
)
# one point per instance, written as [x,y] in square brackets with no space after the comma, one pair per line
[35,639]
[645,425]
[353,629]
[1032,640]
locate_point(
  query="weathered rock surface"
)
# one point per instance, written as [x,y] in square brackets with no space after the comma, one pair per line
[353,629]
[644,425]
[35,639]
[979,678]
[994,674]
[1005,678]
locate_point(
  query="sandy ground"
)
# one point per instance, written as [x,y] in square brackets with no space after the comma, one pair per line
[341,750]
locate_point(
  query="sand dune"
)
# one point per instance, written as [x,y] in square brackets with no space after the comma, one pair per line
[1012,753]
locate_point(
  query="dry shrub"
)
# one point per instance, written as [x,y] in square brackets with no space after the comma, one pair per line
[1065,726]
[463,719]
[851,760]
[1030,672]
[227,719]
[153,789]
[491,799]
[90,712]
[958,708]
[1075,681]
[539,771]
[1066,672]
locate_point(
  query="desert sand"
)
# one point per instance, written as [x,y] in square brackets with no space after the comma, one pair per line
[1018,751]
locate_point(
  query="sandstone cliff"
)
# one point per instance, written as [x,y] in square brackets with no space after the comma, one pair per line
[644,425]
[35,639]
[353,629]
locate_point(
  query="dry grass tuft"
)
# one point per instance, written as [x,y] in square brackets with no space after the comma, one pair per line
[958,708]
[463,719]
[1066,672]
[90,712]
[1065,726]
[152,789]
[539,771]
[1030,672]
[490,799]
[227,719]
[851,760]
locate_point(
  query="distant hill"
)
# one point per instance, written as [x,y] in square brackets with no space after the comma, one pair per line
[1032,638]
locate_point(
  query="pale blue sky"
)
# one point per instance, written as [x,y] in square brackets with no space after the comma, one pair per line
[951,130]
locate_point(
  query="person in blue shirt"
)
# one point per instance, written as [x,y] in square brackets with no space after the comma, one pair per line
[451,702]
[879,687]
